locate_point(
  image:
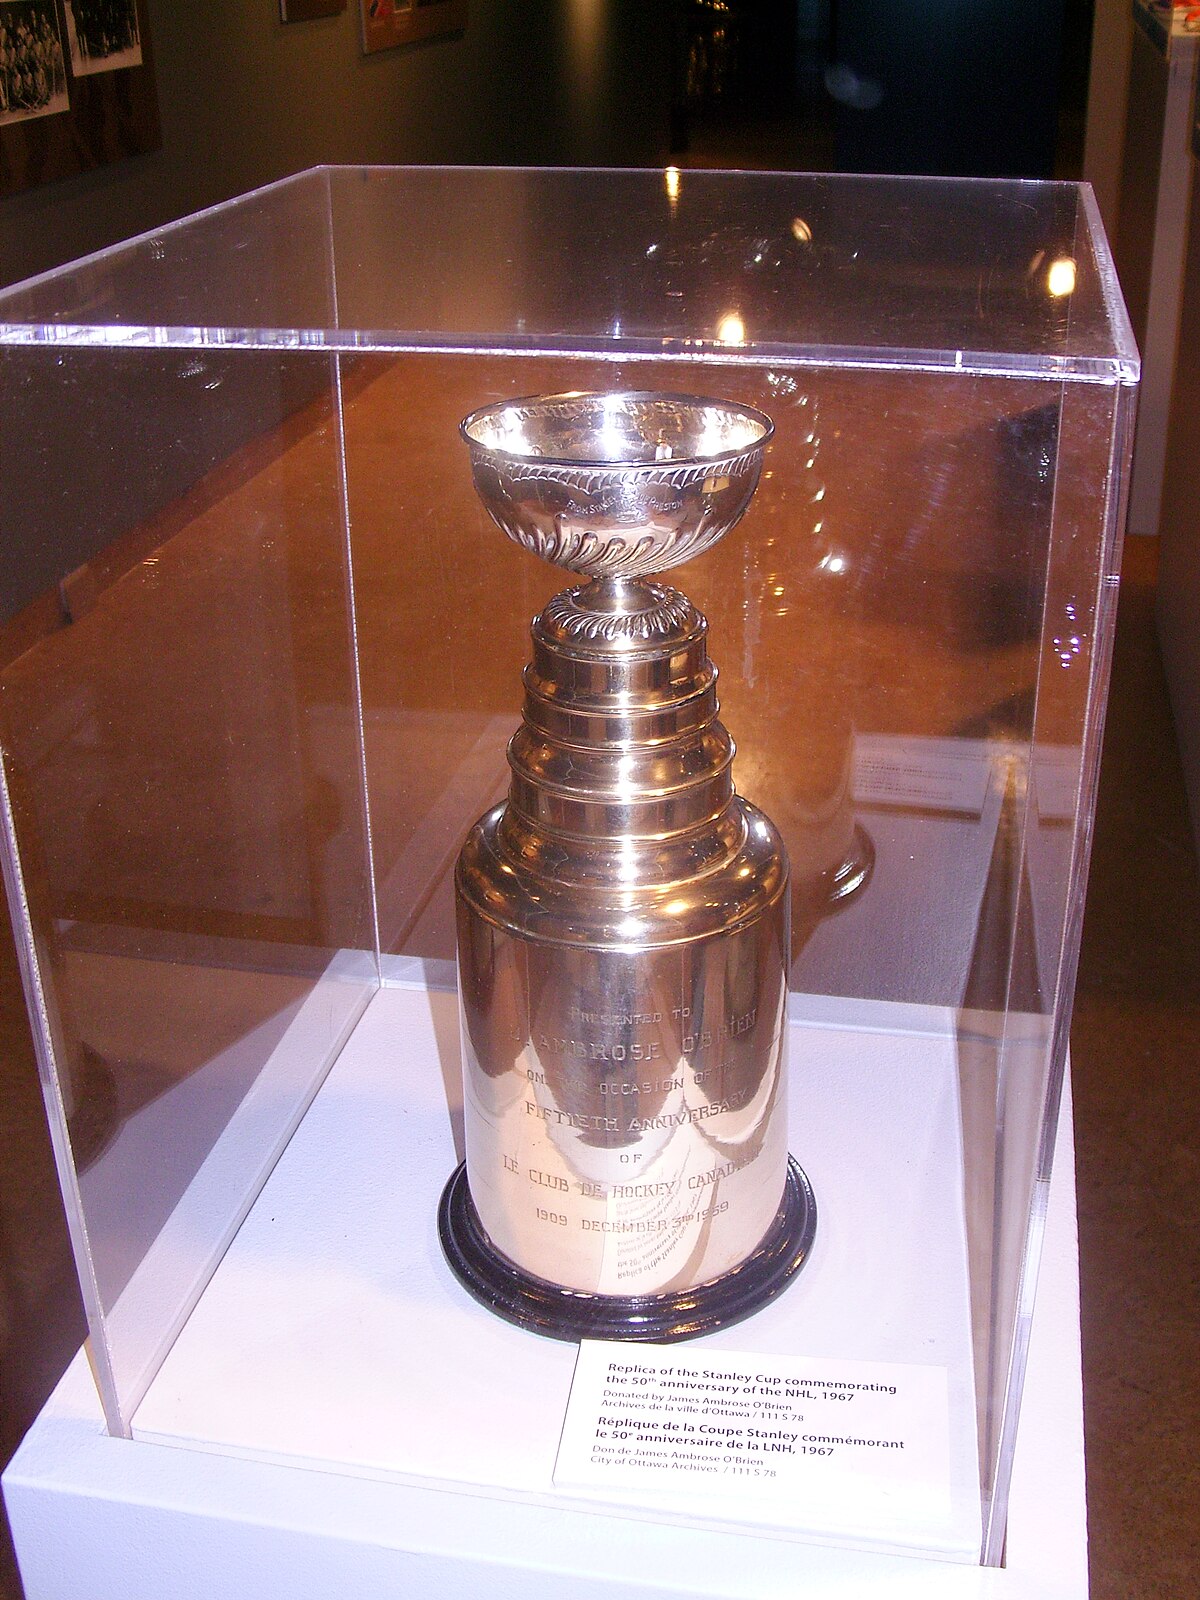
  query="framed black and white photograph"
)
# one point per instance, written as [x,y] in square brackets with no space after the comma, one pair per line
[92,61]
[33,72]
[104,35]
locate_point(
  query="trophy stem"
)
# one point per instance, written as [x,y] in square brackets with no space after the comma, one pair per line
[615,596]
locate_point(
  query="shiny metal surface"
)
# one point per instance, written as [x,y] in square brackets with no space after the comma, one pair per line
[616,485]
[623,919]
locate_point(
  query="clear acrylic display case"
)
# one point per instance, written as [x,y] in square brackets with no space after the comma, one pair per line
[262,653]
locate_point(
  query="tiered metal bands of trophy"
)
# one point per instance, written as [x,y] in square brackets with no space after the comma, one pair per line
[623,919]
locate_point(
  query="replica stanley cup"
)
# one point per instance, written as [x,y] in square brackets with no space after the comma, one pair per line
[623,918]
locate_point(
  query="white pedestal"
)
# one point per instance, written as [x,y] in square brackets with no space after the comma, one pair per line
[338,1418]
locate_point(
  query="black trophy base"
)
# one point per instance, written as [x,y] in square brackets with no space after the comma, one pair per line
[573,1314]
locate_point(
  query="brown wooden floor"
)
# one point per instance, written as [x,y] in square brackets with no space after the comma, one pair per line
[1135,1041]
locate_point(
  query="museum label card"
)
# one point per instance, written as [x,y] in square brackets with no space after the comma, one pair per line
[848,1443]
[943,775]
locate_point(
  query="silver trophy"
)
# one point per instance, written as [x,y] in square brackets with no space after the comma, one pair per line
[623,921]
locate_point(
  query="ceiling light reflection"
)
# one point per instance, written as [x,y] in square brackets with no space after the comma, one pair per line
[1060,279]
[731,329]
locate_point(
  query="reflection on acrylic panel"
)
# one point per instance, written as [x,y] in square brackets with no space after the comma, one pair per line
[104,35]
[33,74]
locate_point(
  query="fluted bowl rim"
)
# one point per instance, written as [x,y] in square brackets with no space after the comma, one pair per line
[763,425]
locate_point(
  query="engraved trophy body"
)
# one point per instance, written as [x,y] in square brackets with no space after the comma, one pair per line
[623,922]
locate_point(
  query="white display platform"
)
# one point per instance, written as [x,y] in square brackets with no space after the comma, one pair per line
[333,1334]
[126,1520]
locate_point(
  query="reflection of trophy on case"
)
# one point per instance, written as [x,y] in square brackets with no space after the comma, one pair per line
[794,715]
[623,918]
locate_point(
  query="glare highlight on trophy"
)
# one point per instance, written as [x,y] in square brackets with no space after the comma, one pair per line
[623,921]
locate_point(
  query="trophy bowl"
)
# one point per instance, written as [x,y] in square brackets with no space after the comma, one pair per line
[616,485]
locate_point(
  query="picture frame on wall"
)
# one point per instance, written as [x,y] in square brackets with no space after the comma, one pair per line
[388,23]
[77,88]
[104,35]
[309,10]
[33,71]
